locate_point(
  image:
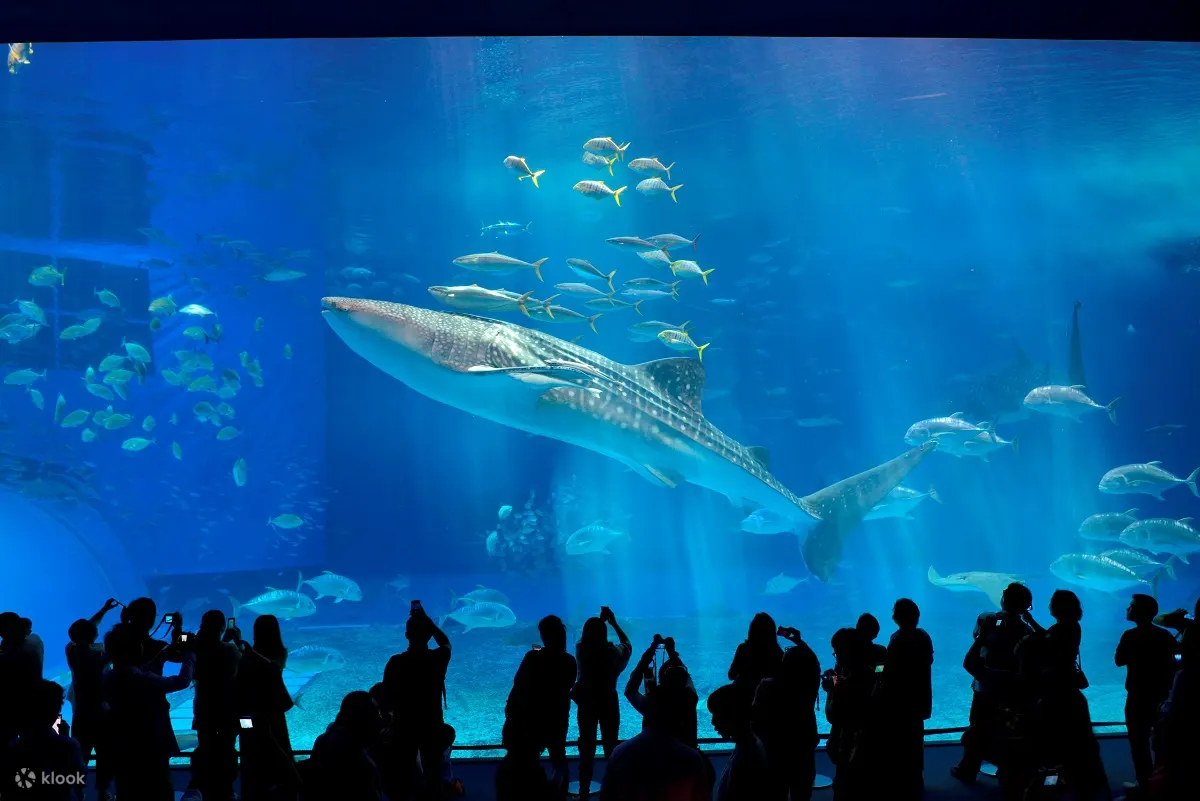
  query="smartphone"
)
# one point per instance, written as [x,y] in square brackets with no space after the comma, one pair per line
[414,606]
[246,723]
[1178,657]
[231,623]
[781,632]
[1051,780]
[999,621]
[58,724]
[879,668]
[183,638]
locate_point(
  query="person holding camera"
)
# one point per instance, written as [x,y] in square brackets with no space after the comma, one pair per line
[663,761]
[142,739]
[670,699]
[415,688]
[785,719]
[214,762]
[992,663]
[142,615]
[1187,633]
[88,661]
[600,665]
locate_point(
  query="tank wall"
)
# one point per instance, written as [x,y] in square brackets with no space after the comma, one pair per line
[898,231]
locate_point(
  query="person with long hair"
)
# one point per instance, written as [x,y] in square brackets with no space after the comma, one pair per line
[268,766]
[600,665]
[1060,732]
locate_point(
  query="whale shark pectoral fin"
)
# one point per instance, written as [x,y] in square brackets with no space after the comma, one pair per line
[553,373]
[666,477]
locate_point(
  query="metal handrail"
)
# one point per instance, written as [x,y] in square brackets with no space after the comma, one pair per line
[716,740]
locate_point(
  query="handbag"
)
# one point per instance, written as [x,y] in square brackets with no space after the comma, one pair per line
[1081,680]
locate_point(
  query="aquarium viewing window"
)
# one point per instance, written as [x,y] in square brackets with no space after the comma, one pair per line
[689,328]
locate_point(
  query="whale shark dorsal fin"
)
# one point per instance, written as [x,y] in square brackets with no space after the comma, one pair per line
[1079,387]
[760,455]
[957,415]
[1155,463]
[678,377]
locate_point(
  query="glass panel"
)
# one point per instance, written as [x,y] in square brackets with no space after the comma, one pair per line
[671,251]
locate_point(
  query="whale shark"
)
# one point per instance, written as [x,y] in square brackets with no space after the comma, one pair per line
[646,416]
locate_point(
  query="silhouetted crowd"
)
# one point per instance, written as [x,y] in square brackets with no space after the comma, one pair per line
[1028,715]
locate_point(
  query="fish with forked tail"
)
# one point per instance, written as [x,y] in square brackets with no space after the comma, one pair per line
[518,164]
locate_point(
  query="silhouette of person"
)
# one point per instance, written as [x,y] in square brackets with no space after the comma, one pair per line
[415,686]
[143,615]
[658,763]
[142,740]
[1176,739]
[868,627]
[88,661]
[214,762]
[1060,728]
[1148,654]
[537,714]
[21,658]
[670,699]
[268,766]
[851,715]
[907,691]
[785,718]
[44,749]
[342,766]
[600,665]
[757,657]
[1188,633]
[992,663]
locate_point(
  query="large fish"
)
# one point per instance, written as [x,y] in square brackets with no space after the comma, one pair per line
[990,584]
[646,416]
[1000,397]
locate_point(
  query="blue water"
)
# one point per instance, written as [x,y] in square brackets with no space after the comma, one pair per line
[892,225]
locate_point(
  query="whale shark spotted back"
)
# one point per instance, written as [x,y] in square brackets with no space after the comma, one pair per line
[647,416]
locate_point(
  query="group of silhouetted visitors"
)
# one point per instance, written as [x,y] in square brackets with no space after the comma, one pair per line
[1028,715]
